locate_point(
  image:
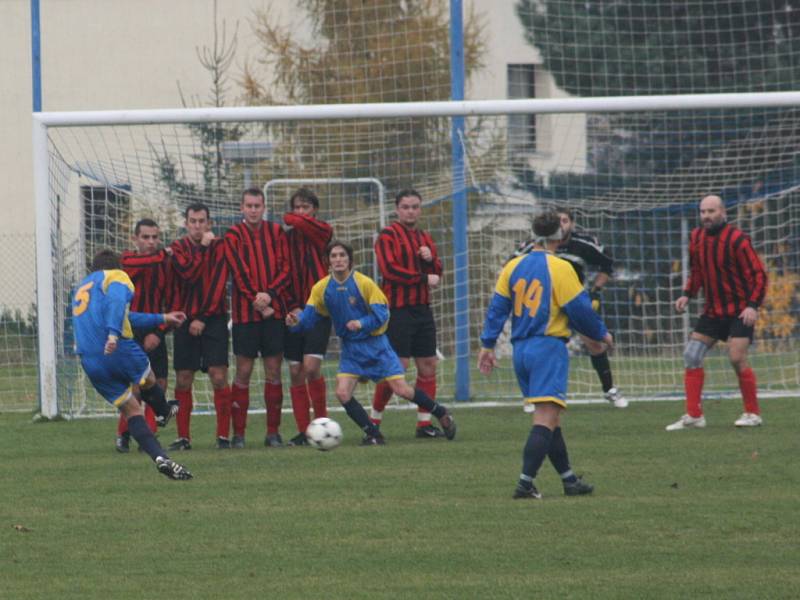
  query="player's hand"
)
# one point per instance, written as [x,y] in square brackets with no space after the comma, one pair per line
[168,250]
[681,304]
[608,340]
[292,320]
[354,325]
[111,344]
[749,316]
[487,361]
[208,237]
[176,318]
[150,342]
[262,301]
[433,280]
[267,312]
[196,327]
[425,253]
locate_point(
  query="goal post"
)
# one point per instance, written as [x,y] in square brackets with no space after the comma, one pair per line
[129,164]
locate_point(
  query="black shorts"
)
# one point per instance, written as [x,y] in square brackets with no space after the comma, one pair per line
[158,357]
[198,353]
[259,337]
[412,331]
[723,328]
[313,341]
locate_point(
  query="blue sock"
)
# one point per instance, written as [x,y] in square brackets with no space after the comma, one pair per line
[559,457]
[424,401]
[360,417]
[534,453]
[141,433]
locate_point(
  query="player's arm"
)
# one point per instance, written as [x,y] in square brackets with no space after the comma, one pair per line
[279,287]
[753,271]
[240,273]
[499,307]
[187,260]
[389,264]
[433,266]
[318,232]
[314,310]
[695,281]
[376,300]
[118,297]
[575,302]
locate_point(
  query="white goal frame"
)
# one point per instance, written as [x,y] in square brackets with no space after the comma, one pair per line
[44,120]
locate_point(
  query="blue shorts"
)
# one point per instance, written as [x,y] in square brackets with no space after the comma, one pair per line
[542,367]
[372,358]
[113,374]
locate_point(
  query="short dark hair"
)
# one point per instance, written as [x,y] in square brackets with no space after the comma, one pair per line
[407,193]
[105,259]
[252,191]
[339,244]
[546,224]
[563,210]
[197,207]
[143,223]
[304,194]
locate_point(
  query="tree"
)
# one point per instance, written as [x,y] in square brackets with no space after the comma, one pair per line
[393,51]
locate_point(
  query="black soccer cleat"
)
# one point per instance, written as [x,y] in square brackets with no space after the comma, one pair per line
[223,443]
[299,440]
[429,432]
[237,443]
[123,443]
[163,420]
[180,444]
[273,440]
[577,488]
[171,469]
[525,493]
[373,440]
[448,424]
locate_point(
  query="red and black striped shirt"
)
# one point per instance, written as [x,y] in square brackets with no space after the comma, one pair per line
[259,262]
[151,275]
[727,269]
[201,278]
[405,274]
[308,238]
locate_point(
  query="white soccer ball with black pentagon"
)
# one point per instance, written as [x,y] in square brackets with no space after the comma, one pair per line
[324,434]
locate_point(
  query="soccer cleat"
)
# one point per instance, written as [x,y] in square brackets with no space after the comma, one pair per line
[615,398]
[172,469]
[748,420]
[180,444]
[123,443]
[163,420]
[524,493]
[273,440]
[373,440]
[577,488]
[299,440]
[237,443]
[223,443]
[687,422]
[448,424]
[429,432]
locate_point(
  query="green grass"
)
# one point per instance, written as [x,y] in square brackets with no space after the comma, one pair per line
[695,513]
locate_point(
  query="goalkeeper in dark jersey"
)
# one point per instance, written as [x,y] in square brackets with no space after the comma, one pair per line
[586,255]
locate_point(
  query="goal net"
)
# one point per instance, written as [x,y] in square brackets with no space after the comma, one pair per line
[632,174]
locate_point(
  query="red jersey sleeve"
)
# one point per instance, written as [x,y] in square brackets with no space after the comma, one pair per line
[242,278]
[753,273]
[318,233]
[695,281]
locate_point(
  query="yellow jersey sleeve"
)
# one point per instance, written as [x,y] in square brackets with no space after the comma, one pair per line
[503,287]
[370,290]
[317,296]
[563,279]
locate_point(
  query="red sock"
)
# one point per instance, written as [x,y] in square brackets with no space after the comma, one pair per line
[383,393]
[693,384]
[240,402]
[319,399]
[301,406]
[747,384]
[427,385]
[184,415]
[273,398]
[150,417]
[222,406]
[122,425]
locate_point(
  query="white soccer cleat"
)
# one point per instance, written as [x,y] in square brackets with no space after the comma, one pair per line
[617,399]
[748,420]
[687,422]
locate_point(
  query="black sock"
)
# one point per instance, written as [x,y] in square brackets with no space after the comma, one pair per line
[360,417]
[141,433]
[424,401]
[535,451]
[154,396]
[559,457]
[603,368]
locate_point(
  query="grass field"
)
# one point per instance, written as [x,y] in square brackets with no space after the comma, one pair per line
[696,513]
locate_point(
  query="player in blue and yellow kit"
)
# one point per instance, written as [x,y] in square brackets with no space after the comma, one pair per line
[545,298]
[360,314]
[116,365]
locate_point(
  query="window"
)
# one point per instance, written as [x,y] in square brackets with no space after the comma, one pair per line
[521,128]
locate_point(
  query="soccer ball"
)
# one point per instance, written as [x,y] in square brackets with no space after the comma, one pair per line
[324,434]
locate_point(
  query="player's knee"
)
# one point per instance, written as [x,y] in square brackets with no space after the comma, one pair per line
[694,354]
[343,396]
